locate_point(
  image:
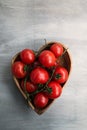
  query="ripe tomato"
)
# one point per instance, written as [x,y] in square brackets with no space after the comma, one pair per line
[56,90]
[57,62]
[39,76]
[29,87]
[40,100]
[60,74]
[57,49]
[18,69]
[47,58]
[27,56]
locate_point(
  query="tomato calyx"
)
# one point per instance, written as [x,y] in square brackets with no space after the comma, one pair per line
[49,90]
[40,86]
[57,76]
[26,67]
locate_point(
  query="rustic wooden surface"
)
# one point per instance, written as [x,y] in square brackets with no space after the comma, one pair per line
[25,23]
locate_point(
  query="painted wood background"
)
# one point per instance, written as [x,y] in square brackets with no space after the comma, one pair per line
[25,23]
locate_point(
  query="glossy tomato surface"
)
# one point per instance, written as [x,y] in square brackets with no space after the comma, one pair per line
[39,76]
[40,100]
[28,86]
[56,90]
[47,58]
[18,69]
[27,56]
[61,75]
[57,49]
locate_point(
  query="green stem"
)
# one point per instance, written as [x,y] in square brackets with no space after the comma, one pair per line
[27,94]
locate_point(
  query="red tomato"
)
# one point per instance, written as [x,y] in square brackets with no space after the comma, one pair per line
[56,90]
[18,69]
[47,58]
[40,100]
[56,63]
[61,74]
[29,87]
[57,49]
[39,76]
[27,56]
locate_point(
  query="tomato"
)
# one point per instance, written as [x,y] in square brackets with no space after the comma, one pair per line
[29,87]
[39,76]
[47,58]
[57,49]
[56,63]
[27,56]
[40,100]
[56,90]
[60,74]
[18,69]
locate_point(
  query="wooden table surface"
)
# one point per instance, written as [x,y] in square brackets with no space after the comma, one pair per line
[25,24]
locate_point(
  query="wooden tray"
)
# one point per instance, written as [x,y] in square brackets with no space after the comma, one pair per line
[65,61]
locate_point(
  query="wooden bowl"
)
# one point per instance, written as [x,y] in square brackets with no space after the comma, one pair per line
[65,61]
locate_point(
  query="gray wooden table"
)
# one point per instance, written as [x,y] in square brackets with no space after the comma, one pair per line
[25,23]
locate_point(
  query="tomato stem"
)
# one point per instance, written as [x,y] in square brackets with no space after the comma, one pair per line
[27,94]
[57,76]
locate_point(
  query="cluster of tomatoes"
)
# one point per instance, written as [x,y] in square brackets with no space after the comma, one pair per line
[40,75]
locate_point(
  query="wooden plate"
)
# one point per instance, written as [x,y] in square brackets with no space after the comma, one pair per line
[65,61]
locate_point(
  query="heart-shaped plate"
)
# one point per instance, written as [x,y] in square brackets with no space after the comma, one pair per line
[65,61]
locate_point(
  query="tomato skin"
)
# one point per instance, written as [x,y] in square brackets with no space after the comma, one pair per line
[57,62]
[63,73]
[56,90]
[18,69]
[27,56]
[47,58]
[39,76]
[57,49]
[40,100]
[30,87]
